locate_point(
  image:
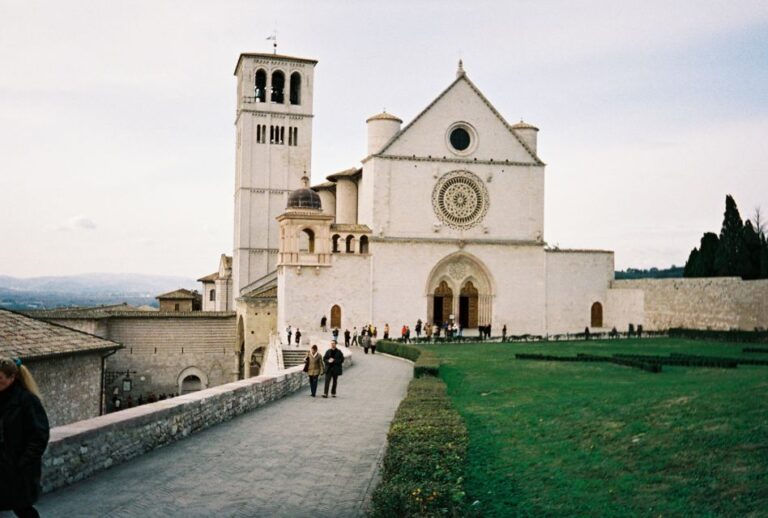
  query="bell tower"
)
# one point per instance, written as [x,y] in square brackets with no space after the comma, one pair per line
[273,151]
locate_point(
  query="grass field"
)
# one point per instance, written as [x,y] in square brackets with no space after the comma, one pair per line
[586,439]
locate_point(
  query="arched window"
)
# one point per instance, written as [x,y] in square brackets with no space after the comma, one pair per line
[335,248]
[212,295]
[350,244]
[191,384]
[295,88]
[597,315]
[260,88]
[278,87]
[364,245]
[307,241]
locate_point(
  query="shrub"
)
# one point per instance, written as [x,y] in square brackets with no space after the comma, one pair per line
[423,467]
[425,363]
[734,335]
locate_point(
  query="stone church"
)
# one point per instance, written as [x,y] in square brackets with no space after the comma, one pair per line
[444,219]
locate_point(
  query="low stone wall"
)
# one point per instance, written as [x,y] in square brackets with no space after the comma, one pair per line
[78,450]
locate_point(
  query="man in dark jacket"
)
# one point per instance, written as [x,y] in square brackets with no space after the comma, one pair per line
[333,359]
[24,433]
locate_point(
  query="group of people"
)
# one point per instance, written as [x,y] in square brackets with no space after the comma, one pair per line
[24,433]
[289,333]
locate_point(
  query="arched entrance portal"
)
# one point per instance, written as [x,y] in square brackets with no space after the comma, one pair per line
[442,303]
[467,276]
[335,316]
[468,306]
[597,315]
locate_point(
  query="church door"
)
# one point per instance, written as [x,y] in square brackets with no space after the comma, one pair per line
[335,316]
[443,303]
[468,306]
[597,315]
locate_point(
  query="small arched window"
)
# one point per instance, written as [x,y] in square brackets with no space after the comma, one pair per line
[295,88]
[307,241]
[191,384]
[335,248]
[278,87]
[212,296]
[364,245]
[260,87]
[350,244]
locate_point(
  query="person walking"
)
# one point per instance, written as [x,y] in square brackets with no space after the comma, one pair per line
[354,336]
[428,331]
[24,433]
[333,358]
[323,323]
[386,331]
[418,329]
[298,337]
[289,332]
[366,342]
[346,338]
[504,333]
[335,333]
[314,367]
[373,345]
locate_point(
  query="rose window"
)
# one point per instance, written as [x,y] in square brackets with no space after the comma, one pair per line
[460,200]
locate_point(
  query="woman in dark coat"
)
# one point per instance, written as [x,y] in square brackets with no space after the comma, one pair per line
[24,435]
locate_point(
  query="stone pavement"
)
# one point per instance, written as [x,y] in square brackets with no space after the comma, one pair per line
[300,456]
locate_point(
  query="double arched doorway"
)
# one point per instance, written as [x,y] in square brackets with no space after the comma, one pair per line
[460,290]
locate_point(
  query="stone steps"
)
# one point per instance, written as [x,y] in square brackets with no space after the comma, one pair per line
[293,357]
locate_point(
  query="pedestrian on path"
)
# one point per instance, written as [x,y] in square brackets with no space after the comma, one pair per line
[346,338]
[333,359]
[373,345]
[366,342]
[298,337]
[24,433]
[289,332]
[313,366]
[324,323]
[354,337]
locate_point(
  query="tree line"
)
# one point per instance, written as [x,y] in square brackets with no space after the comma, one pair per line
[741,249]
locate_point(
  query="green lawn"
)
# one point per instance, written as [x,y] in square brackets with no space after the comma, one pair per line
[586,439]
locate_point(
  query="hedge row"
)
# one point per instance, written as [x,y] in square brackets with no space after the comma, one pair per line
[423,468]
[740,361]
[425,363]
[627,362]
[684,361]
[733,335]
[754,350]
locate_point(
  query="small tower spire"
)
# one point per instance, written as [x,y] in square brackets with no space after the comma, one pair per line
[305,180]
[460,71]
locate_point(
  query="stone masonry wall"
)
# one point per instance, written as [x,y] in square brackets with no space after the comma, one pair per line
[79,450]
[708,303]
[70,386]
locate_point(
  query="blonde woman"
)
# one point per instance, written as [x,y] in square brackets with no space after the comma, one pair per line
[313,366]
[23,439]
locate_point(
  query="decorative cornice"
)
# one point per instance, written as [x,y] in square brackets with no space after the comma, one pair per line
[263,190]
[465,161]
[282,115]
[460,242]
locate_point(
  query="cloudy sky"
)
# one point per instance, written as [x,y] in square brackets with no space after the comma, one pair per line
[116,118]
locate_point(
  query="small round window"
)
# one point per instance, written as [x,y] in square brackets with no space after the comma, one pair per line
[460,139]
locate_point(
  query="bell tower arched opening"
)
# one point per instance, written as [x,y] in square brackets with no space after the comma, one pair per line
[442,303]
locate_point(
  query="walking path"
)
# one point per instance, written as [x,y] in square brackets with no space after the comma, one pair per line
[300,456]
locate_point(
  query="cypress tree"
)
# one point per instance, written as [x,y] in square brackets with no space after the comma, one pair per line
[730,259]
[691,264]
[752,250]
[710,244]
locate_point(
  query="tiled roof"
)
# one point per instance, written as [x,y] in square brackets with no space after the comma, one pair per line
[261,287]
[95,314]
[209,278]
[346,173]
[25,337]
[177,294]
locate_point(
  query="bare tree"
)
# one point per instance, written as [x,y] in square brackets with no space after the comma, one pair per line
[759,222]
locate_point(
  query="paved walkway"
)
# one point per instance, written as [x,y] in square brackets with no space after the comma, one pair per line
[300,456]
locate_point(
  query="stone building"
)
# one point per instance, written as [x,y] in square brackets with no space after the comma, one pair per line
[217,291]
[68,365]
[180,300]
[164,352]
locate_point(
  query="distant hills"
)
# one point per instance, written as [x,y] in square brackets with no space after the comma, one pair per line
[89,289]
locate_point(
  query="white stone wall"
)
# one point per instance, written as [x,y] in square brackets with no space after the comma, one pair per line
[306,294]
[575,281]
[624,307]
[720,303]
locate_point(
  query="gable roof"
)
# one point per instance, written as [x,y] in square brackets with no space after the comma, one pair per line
[462,77]
[178,294]
[209,278]
[22,336]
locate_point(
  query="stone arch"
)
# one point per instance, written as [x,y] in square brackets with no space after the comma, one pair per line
[364,244]
[350,244]
[442,303]
[256,361]
[192,379]
[335,242]
[457,270]
[277,87]
[295,91]
[260,86]
[307,240]
[596,315]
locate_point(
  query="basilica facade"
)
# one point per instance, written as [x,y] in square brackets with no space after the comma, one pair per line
[442,221]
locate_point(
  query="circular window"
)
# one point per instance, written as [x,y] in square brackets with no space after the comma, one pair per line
[460,200]
[460,139]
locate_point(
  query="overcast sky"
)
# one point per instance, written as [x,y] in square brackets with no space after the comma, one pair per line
[117,137]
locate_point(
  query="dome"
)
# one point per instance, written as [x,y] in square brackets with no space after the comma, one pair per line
[304,198]
[384,116]
[522,125]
